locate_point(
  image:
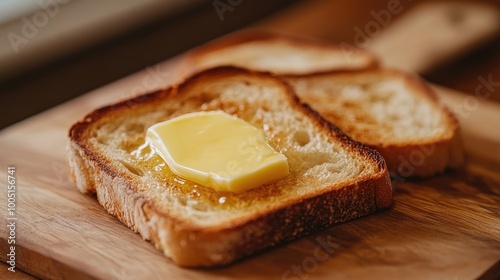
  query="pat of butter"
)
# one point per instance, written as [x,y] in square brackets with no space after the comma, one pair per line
[217,150]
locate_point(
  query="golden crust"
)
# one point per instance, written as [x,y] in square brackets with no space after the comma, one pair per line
[191,245]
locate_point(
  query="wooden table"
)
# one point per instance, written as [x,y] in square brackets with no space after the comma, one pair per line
[446,227]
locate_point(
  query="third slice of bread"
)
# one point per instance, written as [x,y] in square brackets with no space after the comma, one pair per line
[332,178]
[281,54]
[392,111]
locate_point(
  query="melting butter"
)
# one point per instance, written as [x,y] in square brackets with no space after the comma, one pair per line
[217,150]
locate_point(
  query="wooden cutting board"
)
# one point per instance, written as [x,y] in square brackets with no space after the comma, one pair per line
[446,227]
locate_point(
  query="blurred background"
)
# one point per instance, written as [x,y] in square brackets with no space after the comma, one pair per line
[54,50]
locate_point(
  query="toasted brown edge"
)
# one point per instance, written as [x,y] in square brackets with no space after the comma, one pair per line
[439,153]
[189,63]
[166,231]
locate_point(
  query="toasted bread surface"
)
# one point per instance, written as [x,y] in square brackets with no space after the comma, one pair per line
[278,53]
[333,178]
[389,110]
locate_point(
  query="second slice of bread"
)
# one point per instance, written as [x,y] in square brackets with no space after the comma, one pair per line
[391,111]
[332,178]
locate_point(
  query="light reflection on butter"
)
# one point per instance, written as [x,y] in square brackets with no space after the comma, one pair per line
[216,150]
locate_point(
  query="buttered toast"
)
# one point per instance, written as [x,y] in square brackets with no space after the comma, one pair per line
[332,178]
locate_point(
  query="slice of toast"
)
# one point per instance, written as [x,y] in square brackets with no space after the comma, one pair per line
[332,178]
[391,111]
[285,55]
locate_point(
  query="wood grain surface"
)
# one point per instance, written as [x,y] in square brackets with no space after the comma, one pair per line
[446,227]
[18,275]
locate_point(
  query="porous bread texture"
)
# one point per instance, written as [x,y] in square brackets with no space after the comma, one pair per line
[280,54]
[391,111]
[332,178]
